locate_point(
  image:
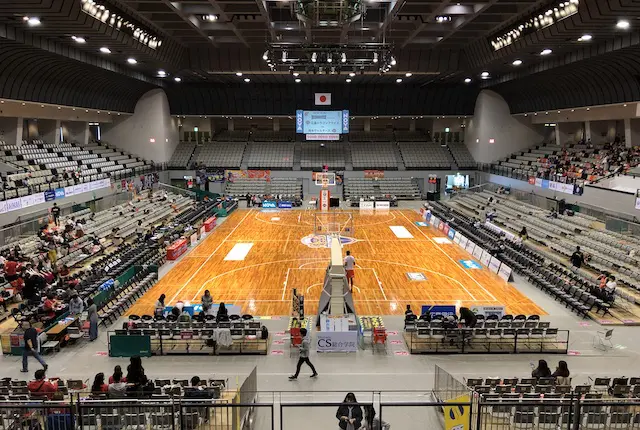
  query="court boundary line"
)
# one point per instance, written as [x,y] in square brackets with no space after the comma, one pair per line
[450,258]
[210,256]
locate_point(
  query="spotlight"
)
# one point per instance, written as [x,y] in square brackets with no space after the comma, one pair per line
[296,74]
[132,60]
[484,74]
[247,80]
[314,57]
[546,51]
[348,80]
[375,57]
[622,24]
[265,56]
[352,74]
[284,56]
[105,50]
[33,21]
[344,57]
[79,39]
[408,74]
[238,73]
[467,80]
[177,79]
[393,61]
[298,80]
[162,73]
[517,62]
[399,80]
[329,58]
[585,38]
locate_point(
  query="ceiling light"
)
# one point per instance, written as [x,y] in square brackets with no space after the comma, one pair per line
[23,104]
[408,74]
[517,62]
[486,77]
[247,80]
[162,73]
[298,80]
[79,39]
[467,80]
[265,56]
[352,74]
[393,61]
[623,24]
[484,74]
[131,60]
[375,57]
[61,108]
[42,106]
[32,21]
[177,79]
[329,58]
[588,108]
[296,74]
[398,80]
[105,50]
[314,57]
[625,105]
[344,58]
[585,38]
[284,56]
[348,80]
[573,110]
[238,73]
[546,51]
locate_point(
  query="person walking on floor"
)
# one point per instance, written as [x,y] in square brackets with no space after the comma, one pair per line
[92,316]
[55,212]
[304,356]
[577,258]
[30,347]
[350,267]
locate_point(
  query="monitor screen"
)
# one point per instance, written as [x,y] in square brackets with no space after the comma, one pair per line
[322,122]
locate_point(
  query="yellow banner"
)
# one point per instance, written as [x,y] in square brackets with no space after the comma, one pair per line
[457,417]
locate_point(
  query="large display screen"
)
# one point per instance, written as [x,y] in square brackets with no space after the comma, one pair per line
[322,122]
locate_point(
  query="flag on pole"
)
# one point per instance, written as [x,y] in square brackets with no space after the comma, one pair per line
[323,99]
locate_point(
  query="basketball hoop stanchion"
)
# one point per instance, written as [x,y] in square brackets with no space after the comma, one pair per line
[325,180]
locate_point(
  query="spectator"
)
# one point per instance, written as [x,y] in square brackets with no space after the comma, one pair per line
[562,374]
[159,308]
[136,378]
[99,386]
[523,233]
[49,306]
[41,386]
[117,369]
[371,421]
[184,317]
[408,311]
[222,312]
[542,371]
[76,306]
[577,258]
[469,317]
[207,301]
[55,213]
[349,414]
[611,284]
[92,316]
[79,229]
[11,268]
[196,390]
[30,347]
[117,385]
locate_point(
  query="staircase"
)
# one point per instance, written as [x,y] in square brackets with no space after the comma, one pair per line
[399,159]
[348,160]
[194,156]
[297,155]
[245,157]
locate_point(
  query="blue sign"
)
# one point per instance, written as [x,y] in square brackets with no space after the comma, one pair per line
[470,264]
[322,122]
[451,233]
[49,195]
[285,205]
[106,285]
[422,224]
[59,193]
[545,183]
[429,215]
[299,121]
[444,310]
[271,204]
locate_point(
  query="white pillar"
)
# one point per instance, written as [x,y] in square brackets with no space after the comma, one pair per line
[86,135]
[627,133]
[276,124]
[19,125]
[587,130]
[367,124]
[230,124]
[56,136]
[412,125]
[558,135]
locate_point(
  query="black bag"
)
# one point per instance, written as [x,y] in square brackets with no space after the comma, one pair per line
[265,333]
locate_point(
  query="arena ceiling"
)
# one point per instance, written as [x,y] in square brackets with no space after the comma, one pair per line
[206,42]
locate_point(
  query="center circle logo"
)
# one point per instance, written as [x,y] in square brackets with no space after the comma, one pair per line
[324,241]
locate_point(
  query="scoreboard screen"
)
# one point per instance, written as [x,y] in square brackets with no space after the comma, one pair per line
[322,122]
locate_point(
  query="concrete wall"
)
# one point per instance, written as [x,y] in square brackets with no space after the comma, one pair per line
[492,120]
[77,131]
[9,130]
[150,132]
[48,131]
[615,201]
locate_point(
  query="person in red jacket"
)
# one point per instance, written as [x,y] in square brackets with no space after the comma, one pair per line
[41,386]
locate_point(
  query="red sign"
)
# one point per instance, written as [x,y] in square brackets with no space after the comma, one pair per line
[210,223]
[373,174]
[277,352]
[176,249]
[532,180]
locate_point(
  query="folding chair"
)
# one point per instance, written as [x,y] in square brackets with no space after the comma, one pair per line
[602,340]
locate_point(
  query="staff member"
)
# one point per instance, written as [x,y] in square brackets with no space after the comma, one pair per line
[350,267]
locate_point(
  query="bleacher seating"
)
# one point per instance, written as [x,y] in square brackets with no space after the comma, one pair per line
[315,155]
[374,156]
[371,136]
[411,136]
[425,155]
[220,154]
[272,136]
[402,188]
[286,187]
[182,154]
[232,136]
[462,156]
[273,155]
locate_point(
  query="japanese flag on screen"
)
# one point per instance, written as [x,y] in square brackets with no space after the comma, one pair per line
[323,99]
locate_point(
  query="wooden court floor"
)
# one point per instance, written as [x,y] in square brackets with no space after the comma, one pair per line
[279,261]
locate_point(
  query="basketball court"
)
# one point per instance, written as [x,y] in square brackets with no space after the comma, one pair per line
[258,256]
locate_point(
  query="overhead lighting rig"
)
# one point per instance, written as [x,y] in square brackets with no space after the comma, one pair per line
[323,58]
